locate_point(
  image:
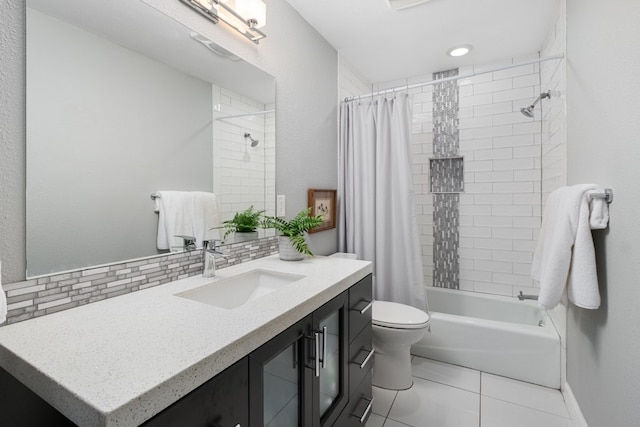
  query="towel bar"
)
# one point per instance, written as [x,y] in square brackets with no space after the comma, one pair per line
[607,195]
[155,196]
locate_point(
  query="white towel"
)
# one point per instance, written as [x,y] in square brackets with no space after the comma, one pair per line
[205,208]
[3,300]
[565,254]
[176,218]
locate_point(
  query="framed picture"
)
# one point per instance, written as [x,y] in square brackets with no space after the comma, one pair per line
[323,202]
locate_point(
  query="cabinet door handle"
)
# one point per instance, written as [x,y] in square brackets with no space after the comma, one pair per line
[367,307]
[366,411]
[317,353]
[324,346]
[366,359]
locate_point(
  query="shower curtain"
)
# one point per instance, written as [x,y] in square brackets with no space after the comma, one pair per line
[376,214]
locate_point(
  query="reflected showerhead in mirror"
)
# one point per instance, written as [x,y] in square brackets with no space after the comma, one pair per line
[528,111]
[254,142]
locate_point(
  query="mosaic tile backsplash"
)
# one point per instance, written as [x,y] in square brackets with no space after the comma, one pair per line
[49,294]
[446,176]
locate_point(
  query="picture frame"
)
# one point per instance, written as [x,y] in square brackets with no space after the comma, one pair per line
[323,202]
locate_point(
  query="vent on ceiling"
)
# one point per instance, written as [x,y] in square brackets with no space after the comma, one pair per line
[405,4]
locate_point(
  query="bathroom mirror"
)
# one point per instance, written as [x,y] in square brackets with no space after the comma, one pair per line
[124,101]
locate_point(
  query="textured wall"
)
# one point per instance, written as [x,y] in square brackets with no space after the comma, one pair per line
[603,131]
[305,68]
[12,136]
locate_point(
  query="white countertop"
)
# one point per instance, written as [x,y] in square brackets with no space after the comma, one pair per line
[120,361]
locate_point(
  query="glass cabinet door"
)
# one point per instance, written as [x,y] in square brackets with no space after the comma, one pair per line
[278,376]
[281,389]
[329,362]
[330,393]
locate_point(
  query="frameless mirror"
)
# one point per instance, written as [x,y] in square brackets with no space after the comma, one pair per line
[122,102]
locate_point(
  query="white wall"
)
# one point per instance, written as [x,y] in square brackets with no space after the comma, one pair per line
[603,131]
[350,82]
[304,66]
[553,77]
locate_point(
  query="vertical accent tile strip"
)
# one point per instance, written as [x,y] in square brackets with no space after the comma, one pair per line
[446,212]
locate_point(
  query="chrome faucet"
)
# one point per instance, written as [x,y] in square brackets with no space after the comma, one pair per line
[209,253]
[189,243]
[523,297]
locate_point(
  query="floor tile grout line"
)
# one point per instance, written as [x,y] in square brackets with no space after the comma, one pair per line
[529,407]
[445,384]
[480,402]
[521,405]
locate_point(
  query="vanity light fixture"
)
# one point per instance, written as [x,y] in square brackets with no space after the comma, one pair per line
[245,16]
[459,50]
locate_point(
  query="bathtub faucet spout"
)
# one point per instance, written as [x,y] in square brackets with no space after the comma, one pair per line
[523,297]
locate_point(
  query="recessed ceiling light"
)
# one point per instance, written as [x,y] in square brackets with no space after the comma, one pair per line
[459,50]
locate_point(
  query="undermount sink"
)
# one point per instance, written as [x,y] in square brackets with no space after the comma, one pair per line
[238,290]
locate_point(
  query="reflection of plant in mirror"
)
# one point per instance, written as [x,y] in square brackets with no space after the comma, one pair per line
[295,229]
[243,222]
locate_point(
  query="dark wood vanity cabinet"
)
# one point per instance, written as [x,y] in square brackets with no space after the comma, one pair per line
[361,352]
[220,402]
[317,373]
[299,378]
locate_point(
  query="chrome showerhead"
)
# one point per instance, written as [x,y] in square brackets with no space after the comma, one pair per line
[254,142]
[528,111]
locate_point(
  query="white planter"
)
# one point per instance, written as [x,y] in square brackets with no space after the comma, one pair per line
[287,251]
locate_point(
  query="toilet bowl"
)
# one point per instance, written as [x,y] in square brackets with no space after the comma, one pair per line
[395,328]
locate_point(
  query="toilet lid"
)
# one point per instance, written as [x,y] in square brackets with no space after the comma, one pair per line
[399,316]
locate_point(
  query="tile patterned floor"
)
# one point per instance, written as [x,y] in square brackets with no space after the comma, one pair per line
[446,395]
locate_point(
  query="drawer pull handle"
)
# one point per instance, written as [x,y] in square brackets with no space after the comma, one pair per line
[366,411]
[366,360]
[367,307]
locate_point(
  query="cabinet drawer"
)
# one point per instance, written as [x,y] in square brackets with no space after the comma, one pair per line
[360,357]
[360,298]
[357,411]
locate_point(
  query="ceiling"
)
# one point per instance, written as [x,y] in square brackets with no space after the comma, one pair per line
[385,44]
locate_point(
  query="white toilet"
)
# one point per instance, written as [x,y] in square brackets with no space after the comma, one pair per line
[395,328]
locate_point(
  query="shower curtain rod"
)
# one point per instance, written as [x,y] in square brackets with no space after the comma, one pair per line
[245,114]
[461,76]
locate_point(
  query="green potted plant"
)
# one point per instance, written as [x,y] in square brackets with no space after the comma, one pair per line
[244,224]
[292,244]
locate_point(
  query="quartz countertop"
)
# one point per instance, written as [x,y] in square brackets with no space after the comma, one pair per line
[120,361]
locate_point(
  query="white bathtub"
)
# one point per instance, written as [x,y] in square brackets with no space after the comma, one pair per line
[495,334]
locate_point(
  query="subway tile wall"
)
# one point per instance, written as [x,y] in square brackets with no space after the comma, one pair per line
[500,206]
[49,294]
[241,171]
[500,209]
